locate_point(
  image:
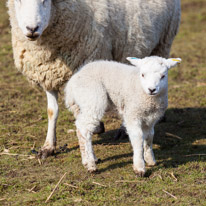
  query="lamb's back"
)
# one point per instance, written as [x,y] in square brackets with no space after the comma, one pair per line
[114,76]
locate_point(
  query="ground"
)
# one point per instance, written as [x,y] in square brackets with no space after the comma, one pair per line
[179,146]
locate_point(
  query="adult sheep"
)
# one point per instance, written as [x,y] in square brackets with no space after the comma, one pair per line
[52,38]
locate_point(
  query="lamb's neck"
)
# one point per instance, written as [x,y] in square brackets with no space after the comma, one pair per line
[159,101]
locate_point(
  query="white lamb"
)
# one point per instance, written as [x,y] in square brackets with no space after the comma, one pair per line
[138,93]
[51,39]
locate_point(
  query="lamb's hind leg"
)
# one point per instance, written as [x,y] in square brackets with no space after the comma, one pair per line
[85,129]
[99,128]
[87,154]
[52,109]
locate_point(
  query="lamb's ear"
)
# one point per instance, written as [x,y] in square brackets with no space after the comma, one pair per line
[133,60]
[172,62]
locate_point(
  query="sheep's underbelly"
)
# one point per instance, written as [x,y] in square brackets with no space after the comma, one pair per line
[47,76]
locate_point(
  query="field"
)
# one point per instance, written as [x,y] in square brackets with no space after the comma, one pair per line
[179,145]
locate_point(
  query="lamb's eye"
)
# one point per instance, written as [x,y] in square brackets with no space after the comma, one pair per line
[163,76]
[142,75]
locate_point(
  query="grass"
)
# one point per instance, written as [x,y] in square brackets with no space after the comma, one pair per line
[180,172]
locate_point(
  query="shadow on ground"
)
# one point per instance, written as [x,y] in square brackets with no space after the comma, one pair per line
[178,140]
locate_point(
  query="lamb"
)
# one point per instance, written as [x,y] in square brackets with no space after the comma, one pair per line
[52,38]
[138,93]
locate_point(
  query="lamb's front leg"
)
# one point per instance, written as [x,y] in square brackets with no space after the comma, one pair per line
[52,109]
[136,136]
[148,152]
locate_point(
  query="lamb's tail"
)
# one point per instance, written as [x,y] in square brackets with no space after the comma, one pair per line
[70,101]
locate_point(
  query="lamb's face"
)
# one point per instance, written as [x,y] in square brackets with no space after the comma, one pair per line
[153,77]
[33,17]
[154,72]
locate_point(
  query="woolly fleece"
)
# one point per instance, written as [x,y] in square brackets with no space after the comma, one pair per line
[121,88]
[85,30]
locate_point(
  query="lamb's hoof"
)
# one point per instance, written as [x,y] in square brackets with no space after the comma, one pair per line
[93,171]
[44,153]
[150,160]
[100,129]
[121,134]
[91,167]
[151,164]
[139,173]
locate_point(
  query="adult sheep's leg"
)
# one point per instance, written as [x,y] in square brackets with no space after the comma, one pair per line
[52,109]
[136,138]
[148,152]
[121,133]
[99,129]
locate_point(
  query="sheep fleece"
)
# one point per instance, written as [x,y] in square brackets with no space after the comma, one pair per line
[85,30]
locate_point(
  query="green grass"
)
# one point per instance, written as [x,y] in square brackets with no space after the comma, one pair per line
[23,122]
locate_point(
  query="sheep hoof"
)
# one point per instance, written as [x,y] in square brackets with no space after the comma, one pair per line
[121,134]
[100,129]
[44,153]
[139,173]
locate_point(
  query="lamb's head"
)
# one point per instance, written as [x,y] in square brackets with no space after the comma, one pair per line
[154,72]
[33,17]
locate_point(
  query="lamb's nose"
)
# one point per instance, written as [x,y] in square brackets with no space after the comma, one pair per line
[152,90]
[32,29]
